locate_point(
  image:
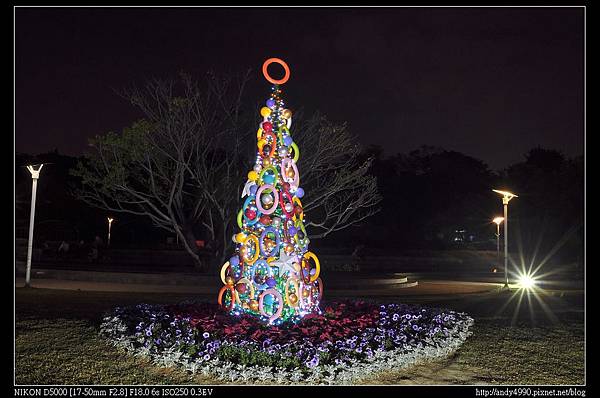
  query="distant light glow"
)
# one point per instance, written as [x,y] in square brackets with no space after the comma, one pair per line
[498,220]
[526,282]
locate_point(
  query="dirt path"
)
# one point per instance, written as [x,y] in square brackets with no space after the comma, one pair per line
[448,371]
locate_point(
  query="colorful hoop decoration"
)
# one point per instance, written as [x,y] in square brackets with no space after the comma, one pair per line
[320,282]
[285,68]
[223,271]
[269,272]
[284,129]
[300,242]
[297,219]
[282,195]
[273,144]
[295,281]
[261,308]
[220,298]
[239,218]
[296,151]
[253,239]
[264,170]
[277,240]
[247,282]
[289,163]
[301,299]
[258,195]
[246,204]
[317,266]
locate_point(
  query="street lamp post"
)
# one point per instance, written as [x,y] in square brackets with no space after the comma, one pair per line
[506,197]
[110,220]
[35,174]
[498,221]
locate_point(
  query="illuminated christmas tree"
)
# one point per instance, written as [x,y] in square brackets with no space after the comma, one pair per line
[272,275]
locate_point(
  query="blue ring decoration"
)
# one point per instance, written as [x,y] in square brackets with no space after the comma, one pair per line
[269,273]
[277,240]
[246,204]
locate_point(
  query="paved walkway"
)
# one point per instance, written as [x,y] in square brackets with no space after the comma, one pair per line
[423,288]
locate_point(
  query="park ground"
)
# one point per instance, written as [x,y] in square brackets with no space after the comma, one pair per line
[57,340]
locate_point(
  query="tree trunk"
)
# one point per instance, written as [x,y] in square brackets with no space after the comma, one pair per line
[189,242]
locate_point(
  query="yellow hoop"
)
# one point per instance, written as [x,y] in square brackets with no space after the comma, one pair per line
[223,270]
[254,239]
[317,265]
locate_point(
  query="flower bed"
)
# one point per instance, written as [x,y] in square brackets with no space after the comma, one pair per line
[347,341]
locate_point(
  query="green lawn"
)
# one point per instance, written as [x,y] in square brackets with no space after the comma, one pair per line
[57,342]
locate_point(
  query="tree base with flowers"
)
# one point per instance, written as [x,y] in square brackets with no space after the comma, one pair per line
[268,326]
[348,341]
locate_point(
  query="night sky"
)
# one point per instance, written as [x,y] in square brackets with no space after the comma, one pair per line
[489,82]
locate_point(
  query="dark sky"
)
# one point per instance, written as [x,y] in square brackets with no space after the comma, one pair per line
[489,82]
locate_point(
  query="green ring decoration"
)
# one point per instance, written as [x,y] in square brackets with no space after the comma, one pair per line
[296,151]
[239,218]
[272,168]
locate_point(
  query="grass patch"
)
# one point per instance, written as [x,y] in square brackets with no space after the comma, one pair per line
[57,342]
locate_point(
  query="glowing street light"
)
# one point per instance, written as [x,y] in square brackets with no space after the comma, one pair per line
[506,197]
[110,220]
[526,282]
[498,221]
[35,174]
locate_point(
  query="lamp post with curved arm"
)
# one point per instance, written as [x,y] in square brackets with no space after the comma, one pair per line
[506,197]
[35,175]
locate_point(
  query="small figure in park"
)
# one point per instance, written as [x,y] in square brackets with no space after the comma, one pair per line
[63,249]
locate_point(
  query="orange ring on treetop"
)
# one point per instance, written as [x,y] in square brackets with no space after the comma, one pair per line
[285,68]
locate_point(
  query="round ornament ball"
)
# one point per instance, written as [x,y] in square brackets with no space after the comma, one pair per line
[286,114]
[267,126]
[287,140]
[241,288]
[251,214]
[252,175]
[265,220]
[268,299]
[241,237]
[289,207]
[293,299]
[271,103]
[266,199]
[265,111]
[229,280]
[253,189]
[300,193]
[266,149]
[253,305]
[271,282]
[234,261]
[283,152]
